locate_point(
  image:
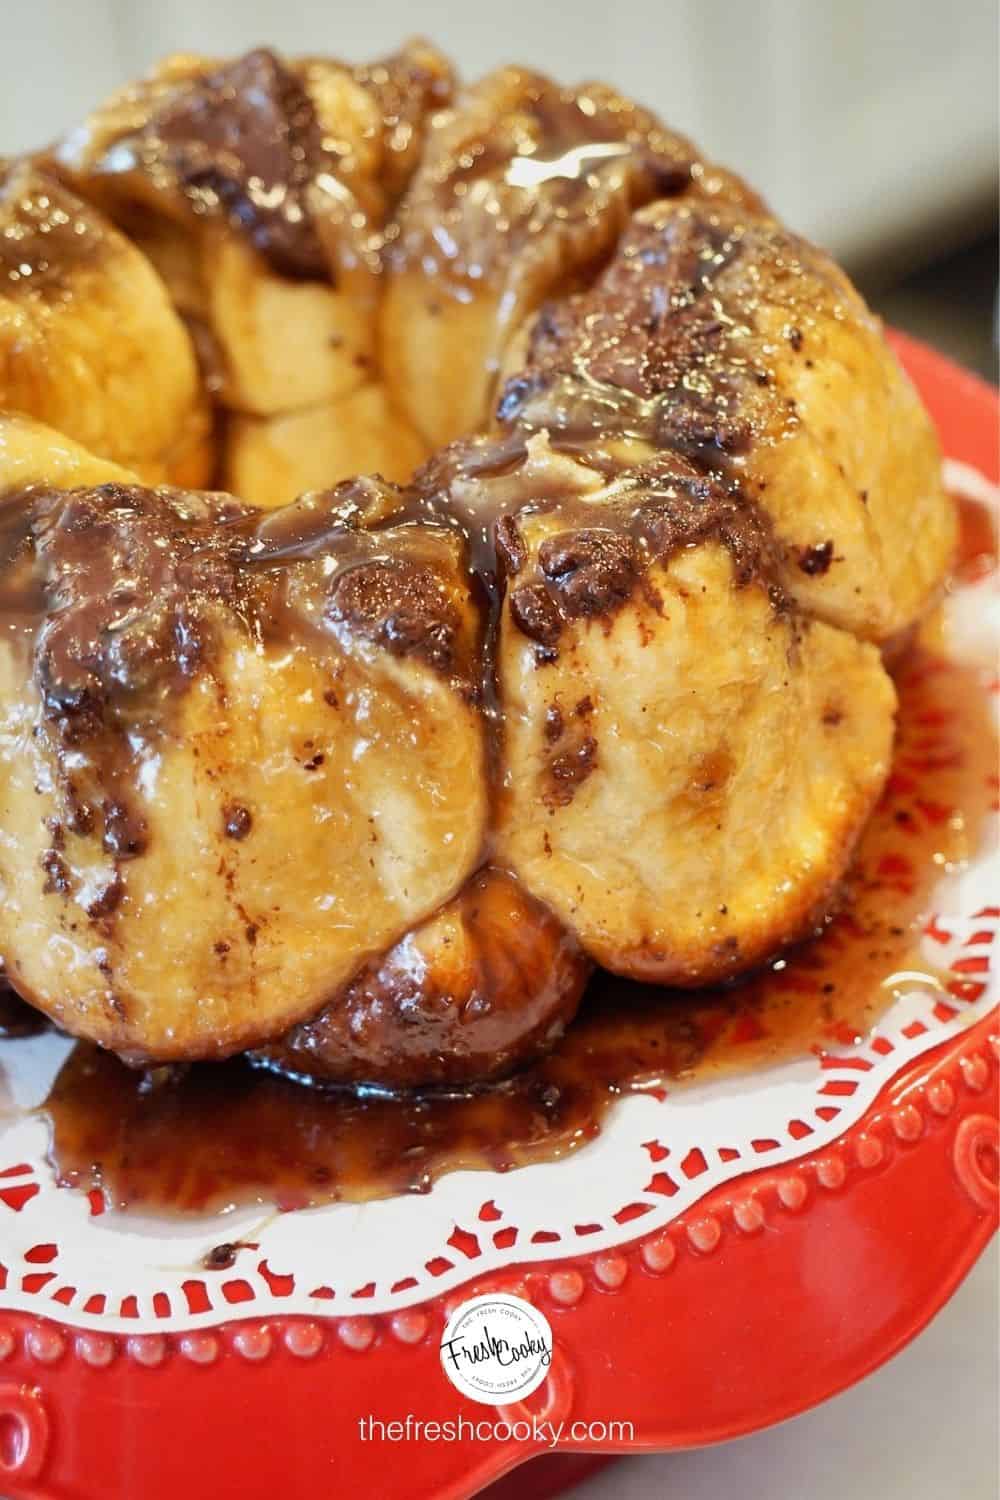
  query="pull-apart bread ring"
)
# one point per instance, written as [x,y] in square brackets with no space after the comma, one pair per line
[590,671]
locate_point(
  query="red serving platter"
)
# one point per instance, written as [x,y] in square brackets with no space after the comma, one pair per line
[774,1291]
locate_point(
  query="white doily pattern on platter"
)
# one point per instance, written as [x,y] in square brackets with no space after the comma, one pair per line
[653,1160]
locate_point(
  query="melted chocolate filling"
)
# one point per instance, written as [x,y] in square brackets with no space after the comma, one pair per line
[245,139]
[648,352]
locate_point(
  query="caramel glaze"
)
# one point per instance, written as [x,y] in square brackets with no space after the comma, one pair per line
[523,158]
[244,142]
[637,381]
[116,594]
[652,350]
[217,1135]
[607,365]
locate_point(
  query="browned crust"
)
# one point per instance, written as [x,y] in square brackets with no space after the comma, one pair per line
[487,985]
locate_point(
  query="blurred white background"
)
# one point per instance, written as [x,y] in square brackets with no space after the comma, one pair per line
[870,124]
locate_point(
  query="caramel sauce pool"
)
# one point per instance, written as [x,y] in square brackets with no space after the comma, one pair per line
[218,1135]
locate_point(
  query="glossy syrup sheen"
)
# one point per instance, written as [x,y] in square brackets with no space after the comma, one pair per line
[220,1135]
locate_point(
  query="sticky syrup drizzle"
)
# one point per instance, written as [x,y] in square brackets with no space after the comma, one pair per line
[227,1134]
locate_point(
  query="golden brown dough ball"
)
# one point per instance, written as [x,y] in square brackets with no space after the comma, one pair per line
[242,742]
[89,343]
